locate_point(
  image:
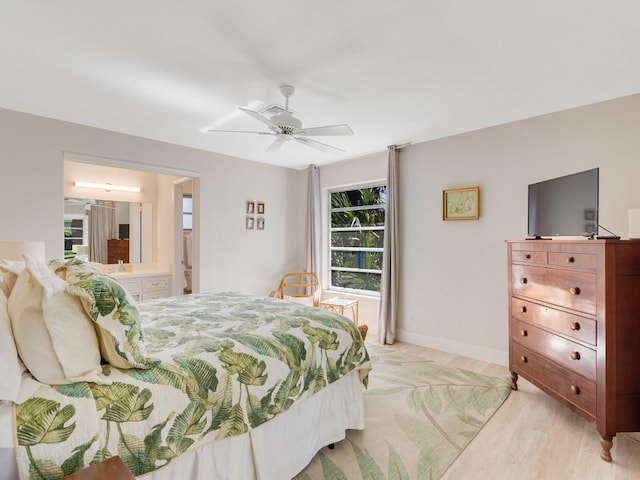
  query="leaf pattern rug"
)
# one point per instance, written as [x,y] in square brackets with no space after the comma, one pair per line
[419,416]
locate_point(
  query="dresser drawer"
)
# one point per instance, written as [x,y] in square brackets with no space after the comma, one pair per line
[579,328]
[155,283]
[573,388]
[571,355]
[144,288]
[566,288]
[155,295]
[573,260]
[528,256]
[133,285]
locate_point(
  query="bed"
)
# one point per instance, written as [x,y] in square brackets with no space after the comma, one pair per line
[221,385]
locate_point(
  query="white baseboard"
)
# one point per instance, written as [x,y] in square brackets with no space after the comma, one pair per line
[457,348]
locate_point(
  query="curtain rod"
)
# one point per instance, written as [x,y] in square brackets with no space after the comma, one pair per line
[402,145]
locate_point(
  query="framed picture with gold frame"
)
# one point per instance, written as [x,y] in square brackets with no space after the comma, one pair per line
[461,204]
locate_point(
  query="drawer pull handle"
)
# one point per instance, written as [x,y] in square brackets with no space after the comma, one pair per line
[524,333]
[528,256]
[523,309]
[575,389]
[524,280]
[575,355]
[574,290]
[575,326]
[570,260]
[524,359]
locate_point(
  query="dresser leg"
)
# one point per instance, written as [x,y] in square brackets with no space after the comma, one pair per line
[514,381]
[606,443]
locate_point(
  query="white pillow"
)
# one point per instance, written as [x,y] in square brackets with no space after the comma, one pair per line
[54,337]
[10,270]
[10,366]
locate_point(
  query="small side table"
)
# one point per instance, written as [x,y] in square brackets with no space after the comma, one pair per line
[339,304]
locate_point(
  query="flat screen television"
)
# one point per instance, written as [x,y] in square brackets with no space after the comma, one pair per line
[123,231]
[564,206]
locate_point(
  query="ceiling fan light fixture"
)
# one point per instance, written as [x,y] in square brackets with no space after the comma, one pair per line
[273,109]
[286,120]
[284,126]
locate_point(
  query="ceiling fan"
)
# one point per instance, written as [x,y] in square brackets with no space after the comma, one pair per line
[284,126]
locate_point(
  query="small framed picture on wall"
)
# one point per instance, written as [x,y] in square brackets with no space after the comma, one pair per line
[249,223]
[461,204]
[250,208]
[260,208]
[260,222]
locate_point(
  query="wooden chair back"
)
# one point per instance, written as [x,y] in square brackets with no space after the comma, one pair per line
[303,287]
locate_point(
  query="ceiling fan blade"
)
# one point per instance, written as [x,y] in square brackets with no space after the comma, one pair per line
[275,146]
[214,130]
[260,118]
[318,145]
[328,130]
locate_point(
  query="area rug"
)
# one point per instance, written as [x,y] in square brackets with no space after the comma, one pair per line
[419,416]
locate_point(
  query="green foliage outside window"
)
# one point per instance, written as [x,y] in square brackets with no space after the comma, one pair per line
[357,237]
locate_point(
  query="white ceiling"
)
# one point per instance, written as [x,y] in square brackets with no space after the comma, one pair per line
[395,71]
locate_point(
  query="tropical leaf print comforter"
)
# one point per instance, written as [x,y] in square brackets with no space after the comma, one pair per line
[222,364]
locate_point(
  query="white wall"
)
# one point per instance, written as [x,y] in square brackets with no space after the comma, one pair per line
[32,191]
[453,286]
[453,275]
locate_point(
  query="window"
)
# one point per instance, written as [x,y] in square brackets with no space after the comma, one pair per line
[74,233]
[187,212]
[357,235]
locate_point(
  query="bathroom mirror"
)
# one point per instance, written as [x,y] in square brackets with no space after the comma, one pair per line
[115,225]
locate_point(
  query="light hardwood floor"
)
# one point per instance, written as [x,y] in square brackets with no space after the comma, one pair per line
[533,437]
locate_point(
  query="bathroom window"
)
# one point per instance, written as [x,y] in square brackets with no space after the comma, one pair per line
[187,212]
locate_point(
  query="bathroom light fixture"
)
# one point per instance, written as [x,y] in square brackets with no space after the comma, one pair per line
[107,186]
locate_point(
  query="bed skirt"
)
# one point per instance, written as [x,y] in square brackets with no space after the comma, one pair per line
[279,449]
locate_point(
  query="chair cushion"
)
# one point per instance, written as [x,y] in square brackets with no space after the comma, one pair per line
[302,300]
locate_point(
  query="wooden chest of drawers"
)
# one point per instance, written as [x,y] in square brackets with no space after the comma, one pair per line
[117,250]
[574,327]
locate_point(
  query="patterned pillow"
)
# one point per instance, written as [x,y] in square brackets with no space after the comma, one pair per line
[115,314]
[71,268]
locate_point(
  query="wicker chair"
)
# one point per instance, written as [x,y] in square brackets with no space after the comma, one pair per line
[302,287]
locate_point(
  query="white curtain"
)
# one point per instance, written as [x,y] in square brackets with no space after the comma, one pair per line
[314,223]
[390,260]
[102,227]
